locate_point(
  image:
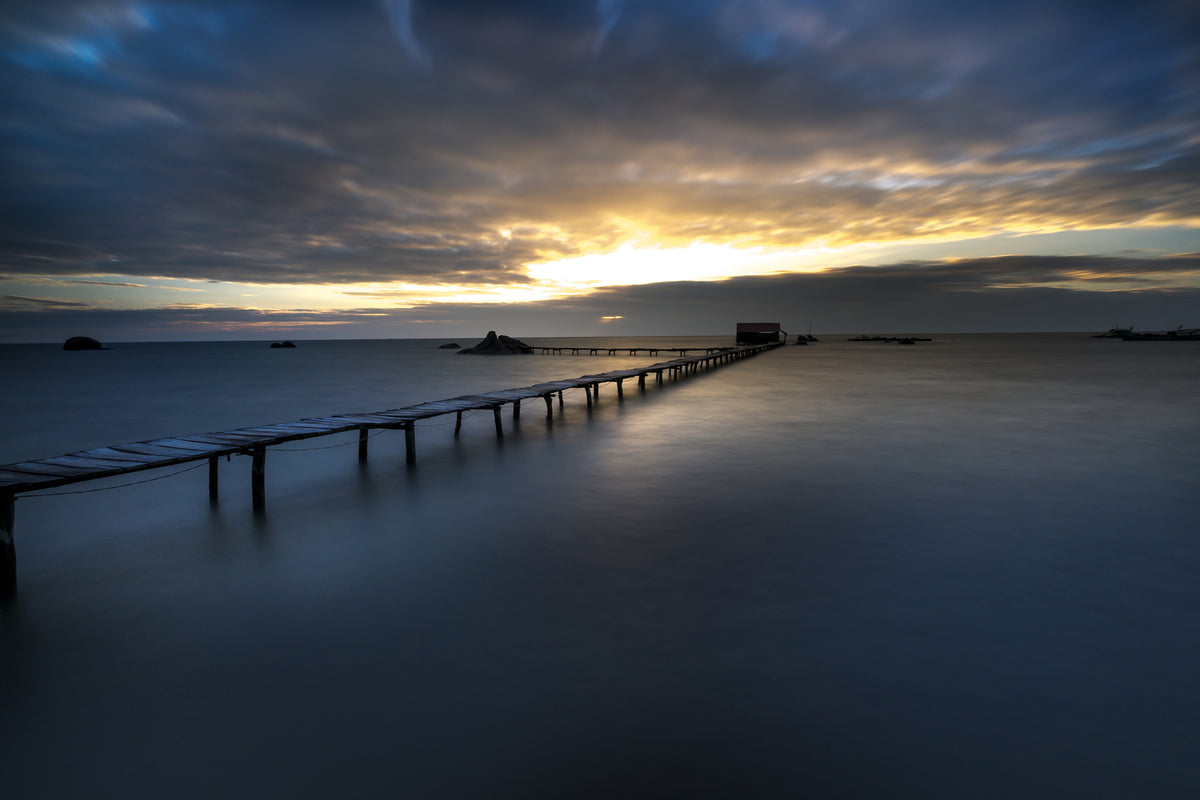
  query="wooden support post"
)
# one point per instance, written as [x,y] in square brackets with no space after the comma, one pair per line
[560,398]
[410,442]
[596,393]
[457,423]
[549,405]
[658,375]
[258,472]
[516,409]
[642,381]
[499,424]
[620,392]
[214,488]
[362,445]
[587,392]
[8,546]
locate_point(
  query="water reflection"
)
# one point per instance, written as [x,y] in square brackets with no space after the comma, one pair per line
[820,572]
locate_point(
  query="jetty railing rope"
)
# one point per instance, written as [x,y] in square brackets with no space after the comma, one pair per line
[105,462]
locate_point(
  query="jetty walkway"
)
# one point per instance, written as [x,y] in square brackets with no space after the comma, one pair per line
[106,462]
[612,351]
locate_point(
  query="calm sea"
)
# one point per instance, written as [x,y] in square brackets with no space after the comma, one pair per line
[966,568]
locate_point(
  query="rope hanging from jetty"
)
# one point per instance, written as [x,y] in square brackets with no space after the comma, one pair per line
[120,486]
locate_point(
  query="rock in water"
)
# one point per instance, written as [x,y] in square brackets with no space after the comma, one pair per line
[81,343]
[450,346]
[493,345]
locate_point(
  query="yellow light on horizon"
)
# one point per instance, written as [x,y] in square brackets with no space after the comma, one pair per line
[630,265]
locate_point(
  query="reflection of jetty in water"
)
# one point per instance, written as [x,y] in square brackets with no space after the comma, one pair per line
[892,339]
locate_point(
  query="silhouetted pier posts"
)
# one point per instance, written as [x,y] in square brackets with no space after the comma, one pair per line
[258,477]
[410,442]
[214,485]
[8,547]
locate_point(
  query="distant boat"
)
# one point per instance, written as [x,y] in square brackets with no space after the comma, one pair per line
[1114,333]
[1180,334]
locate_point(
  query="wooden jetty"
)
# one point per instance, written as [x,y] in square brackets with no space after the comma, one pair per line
[612,351]
[106,462]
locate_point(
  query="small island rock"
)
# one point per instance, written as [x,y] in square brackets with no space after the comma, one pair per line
[451,346]
[81,343]
[493,345]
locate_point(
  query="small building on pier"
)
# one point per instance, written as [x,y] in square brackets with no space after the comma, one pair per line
[757,332]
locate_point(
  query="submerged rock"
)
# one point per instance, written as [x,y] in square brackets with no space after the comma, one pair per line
[493,345]
[81,343]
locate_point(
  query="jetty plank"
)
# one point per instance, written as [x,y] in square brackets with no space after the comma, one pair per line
[84,463]
[45,469]
[118,455]
[229,439]
[183,444]
[170,453]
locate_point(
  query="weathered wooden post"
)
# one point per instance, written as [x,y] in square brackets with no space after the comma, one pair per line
[549,405]
[362,445]
[587,392]
[457,423]
[8,546]
[642,381]
[499,424]
[620,392]
[258,472]
[560,398]
[596,392]
[410,442]
[214,488]
[516,415]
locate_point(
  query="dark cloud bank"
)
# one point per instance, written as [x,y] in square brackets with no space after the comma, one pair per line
[1015,293]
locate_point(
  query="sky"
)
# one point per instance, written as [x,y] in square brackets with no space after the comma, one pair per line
[419,169]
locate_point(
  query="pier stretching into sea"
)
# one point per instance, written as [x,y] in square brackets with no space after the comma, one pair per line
[113,460]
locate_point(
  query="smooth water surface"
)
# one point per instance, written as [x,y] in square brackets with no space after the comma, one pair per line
[965,568]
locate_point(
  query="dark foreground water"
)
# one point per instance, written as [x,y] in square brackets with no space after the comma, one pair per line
[968,568]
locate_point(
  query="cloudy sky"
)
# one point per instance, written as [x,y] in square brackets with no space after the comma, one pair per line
[427,168]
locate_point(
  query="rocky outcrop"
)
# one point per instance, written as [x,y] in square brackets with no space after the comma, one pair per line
[451,346]
[283,344]
[493,345]
[81,343]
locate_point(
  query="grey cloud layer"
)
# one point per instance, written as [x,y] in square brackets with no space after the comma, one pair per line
[319,142]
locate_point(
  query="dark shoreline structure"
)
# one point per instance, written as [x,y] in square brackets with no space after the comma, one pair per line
[493,345]
[82,343]
[1180,334]
[895,339]
[121,459]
